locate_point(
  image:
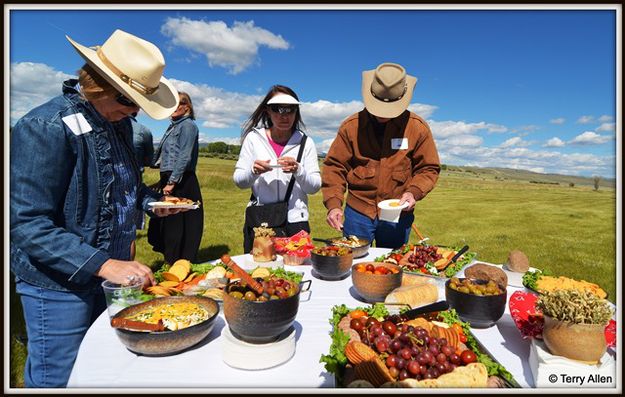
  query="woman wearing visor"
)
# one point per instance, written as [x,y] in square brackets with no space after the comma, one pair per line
[272,141]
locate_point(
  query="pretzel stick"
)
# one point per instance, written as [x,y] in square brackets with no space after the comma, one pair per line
[418,232]
[253,284]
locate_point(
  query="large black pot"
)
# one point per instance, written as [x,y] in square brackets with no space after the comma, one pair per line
[164,343]
[259,322]
[331,267]
[480,311]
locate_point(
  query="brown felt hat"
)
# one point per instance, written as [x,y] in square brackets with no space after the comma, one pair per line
[387,90]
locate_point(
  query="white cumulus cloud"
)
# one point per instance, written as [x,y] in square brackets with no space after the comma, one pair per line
[514,141]
[235,48]
[33,84]
[605,119]
[606,127]
[590,138]
[585,119]
[559,120]
[554,142]
[444,129]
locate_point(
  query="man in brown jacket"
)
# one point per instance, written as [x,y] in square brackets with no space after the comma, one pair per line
[383,152]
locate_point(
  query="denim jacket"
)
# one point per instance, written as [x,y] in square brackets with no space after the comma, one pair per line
[61,176]
[178,150]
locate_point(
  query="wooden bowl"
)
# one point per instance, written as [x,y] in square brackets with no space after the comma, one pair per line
[584,342]
[165,343]
[375,287]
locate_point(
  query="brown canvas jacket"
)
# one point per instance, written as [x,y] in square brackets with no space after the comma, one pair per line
[370,173]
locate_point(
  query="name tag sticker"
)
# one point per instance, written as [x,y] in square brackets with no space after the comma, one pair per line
[77,123]
[399,143]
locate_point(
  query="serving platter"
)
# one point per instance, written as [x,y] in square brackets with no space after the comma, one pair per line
[342,362]
[165,204]
[400,255]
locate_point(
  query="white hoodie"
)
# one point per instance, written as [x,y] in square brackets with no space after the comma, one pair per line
[271,186]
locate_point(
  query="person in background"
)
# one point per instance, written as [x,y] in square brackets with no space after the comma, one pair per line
[144,150]
[382,152]
[179,236]
[272,135]
[75,192]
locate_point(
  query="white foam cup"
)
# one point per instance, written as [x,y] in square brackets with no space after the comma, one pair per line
[389,212]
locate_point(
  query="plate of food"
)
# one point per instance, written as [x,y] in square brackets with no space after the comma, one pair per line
[176,202]
[373,348]
[430,260]
[540,281]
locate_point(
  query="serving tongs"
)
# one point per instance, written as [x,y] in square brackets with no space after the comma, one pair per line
[422,240]
[432,307]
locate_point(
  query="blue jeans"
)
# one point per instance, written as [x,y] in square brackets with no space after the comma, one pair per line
[386,234]
[56,323]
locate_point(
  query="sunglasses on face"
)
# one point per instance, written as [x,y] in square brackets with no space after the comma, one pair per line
[282,109]
[122,100]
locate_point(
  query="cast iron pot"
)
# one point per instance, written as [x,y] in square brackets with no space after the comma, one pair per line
[331,267]
[480,311]
[260,322]
[165,343]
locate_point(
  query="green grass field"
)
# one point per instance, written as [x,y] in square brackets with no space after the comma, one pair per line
[570,231]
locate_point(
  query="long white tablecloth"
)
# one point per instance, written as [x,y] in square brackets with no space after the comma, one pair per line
[104,362]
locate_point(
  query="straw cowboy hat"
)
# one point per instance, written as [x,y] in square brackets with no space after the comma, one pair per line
[387,90]
[135,68]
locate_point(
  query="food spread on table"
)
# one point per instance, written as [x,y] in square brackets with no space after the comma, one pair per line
[387,350]
[429,260]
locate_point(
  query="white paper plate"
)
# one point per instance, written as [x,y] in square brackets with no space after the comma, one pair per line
[163,204]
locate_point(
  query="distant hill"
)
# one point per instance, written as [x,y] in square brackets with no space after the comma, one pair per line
[523,175]
[535,177]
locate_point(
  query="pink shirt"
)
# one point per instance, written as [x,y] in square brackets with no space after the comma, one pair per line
[277,147]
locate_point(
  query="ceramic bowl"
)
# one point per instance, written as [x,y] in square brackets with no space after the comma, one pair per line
[584,342]
[331,267]
[375,287]
[165,343]
[259,322]
[481,311]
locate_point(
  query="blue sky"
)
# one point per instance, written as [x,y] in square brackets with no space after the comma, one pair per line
[528,89]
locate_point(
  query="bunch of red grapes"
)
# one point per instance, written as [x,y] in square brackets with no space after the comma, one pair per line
[421,255]
[410,352]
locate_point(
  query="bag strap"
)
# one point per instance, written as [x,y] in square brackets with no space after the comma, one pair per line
[289,189]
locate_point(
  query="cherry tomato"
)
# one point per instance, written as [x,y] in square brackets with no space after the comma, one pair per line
[468,357]
[357,313]
[462,338]
[370,268]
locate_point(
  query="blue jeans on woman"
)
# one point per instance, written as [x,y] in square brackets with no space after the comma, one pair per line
[56,323]
[386,234]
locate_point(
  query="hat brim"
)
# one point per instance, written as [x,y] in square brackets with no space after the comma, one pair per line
[159,105]
[283,99]
[385,109]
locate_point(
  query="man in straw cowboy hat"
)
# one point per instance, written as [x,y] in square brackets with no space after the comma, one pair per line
[75,191]
[382,152]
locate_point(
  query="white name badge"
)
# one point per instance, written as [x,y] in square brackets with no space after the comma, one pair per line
[77,123]
[399,143]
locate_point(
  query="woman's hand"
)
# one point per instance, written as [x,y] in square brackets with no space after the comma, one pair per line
[289,164]
[168,189]
[126,272]
[260,167]
[335,218]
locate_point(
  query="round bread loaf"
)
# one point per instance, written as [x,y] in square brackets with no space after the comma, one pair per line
[482,271]
[518,262]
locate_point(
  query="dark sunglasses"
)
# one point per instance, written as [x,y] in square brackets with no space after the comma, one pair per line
[282,109]
[122,100]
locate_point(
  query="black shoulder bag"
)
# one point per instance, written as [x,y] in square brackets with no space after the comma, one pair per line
[275,215]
